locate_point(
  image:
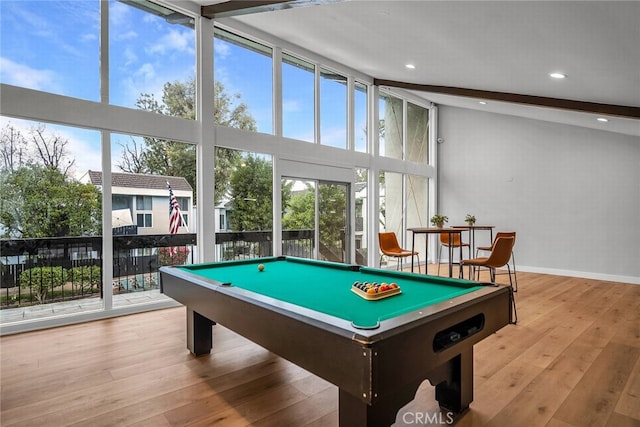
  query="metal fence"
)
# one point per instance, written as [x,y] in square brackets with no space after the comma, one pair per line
[45,270]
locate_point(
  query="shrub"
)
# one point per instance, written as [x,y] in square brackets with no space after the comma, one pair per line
[86,276]
[179,257]
[39,280]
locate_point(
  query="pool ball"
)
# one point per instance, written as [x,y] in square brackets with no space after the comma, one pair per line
[260,267]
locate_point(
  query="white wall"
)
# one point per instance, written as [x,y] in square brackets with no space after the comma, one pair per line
[572,194]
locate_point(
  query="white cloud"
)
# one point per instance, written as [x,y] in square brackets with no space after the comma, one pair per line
[174,40]
[290,105]
[86,150]
[119,14]
[22,75]
[147,72]
[222,49]
[125,35]
[88,37]
[334,137]
[83,146]
[130,56]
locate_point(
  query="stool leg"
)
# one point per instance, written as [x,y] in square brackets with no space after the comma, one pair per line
[515,276]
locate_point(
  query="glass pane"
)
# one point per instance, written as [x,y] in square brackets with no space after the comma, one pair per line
[46,202]
[360,121]
[152,58]
[391,207]
[332,217]
[52,46]
[417,210]
[153,181]
[361,226]
[333,109]
[244,82]
[298,218]
[417,133]
[390,110]
[297,98]
[244,204]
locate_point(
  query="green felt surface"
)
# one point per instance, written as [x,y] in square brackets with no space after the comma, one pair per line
[326,287]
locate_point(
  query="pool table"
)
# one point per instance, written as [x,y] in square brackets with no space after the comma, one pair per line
[377,352]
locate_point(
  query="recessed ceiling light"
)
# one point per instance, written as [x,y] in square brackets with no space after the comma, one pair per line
[558,75]
[410,66]
[482,102]
[602,119]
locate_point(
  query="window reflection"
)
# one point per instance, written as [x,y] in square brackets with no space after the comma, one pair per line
[417,133]
[360,120]
[391,122]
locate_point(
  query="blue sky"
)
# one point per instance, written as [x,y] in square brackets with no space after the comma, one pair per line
[59,53]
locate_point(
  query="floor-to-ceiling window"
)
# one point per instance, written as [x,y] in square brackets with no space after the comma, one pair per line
[51,220]
[153,187]
[151,55]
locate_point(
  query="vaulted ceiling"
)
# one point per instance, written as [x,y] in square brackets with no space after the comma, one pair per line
[464,52]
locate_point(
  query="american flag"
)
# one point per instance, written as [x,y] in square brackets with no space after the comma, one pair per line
[175,219]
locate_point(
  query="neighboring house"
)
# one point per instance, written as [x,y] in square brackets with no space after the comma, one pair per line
[222,215]
[143,200]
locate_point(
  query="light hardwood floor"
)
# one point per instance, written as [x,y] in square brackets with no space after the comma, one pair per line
[573,359]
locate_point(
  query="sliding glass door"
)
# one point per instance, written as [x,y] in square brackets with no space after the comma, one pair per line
[315,219]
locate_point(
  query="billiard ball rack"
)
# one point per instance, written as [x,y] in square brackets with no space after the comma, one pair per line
[377,295]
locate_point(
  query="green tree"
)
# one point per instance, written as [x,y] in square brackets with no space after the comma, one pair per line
[173,158]
[13,149]
[252,194]
[40,201]
[332,211]
[300,210]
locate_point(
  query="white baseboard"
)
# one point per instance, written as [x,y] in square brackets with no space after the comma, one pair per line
[572,273]
[581,274]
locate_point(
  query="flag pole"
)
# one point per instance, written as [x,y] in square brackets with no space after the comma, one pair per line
[183,223]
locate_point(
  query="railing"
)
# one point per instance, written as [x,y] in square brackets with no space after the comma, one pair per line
[44,270]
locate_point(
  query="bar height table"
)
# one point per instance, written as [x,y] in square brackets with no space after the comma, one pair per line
[435,230]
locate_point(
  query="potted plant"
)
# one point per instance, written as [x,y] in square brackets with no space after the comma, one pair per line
[470,219]
[439,220]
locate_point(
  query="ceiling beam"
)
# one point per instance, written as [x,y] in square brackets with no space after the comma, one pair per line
[238,7]
[245,7]
[538,101]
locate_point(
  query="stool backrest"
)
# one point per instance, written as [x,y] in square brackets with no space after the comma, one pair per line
[500,252]
[388,242]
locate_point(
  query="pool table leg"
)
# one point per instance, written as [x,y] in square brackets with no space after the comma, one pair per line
[454,382]
[199,334]
[353,412]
